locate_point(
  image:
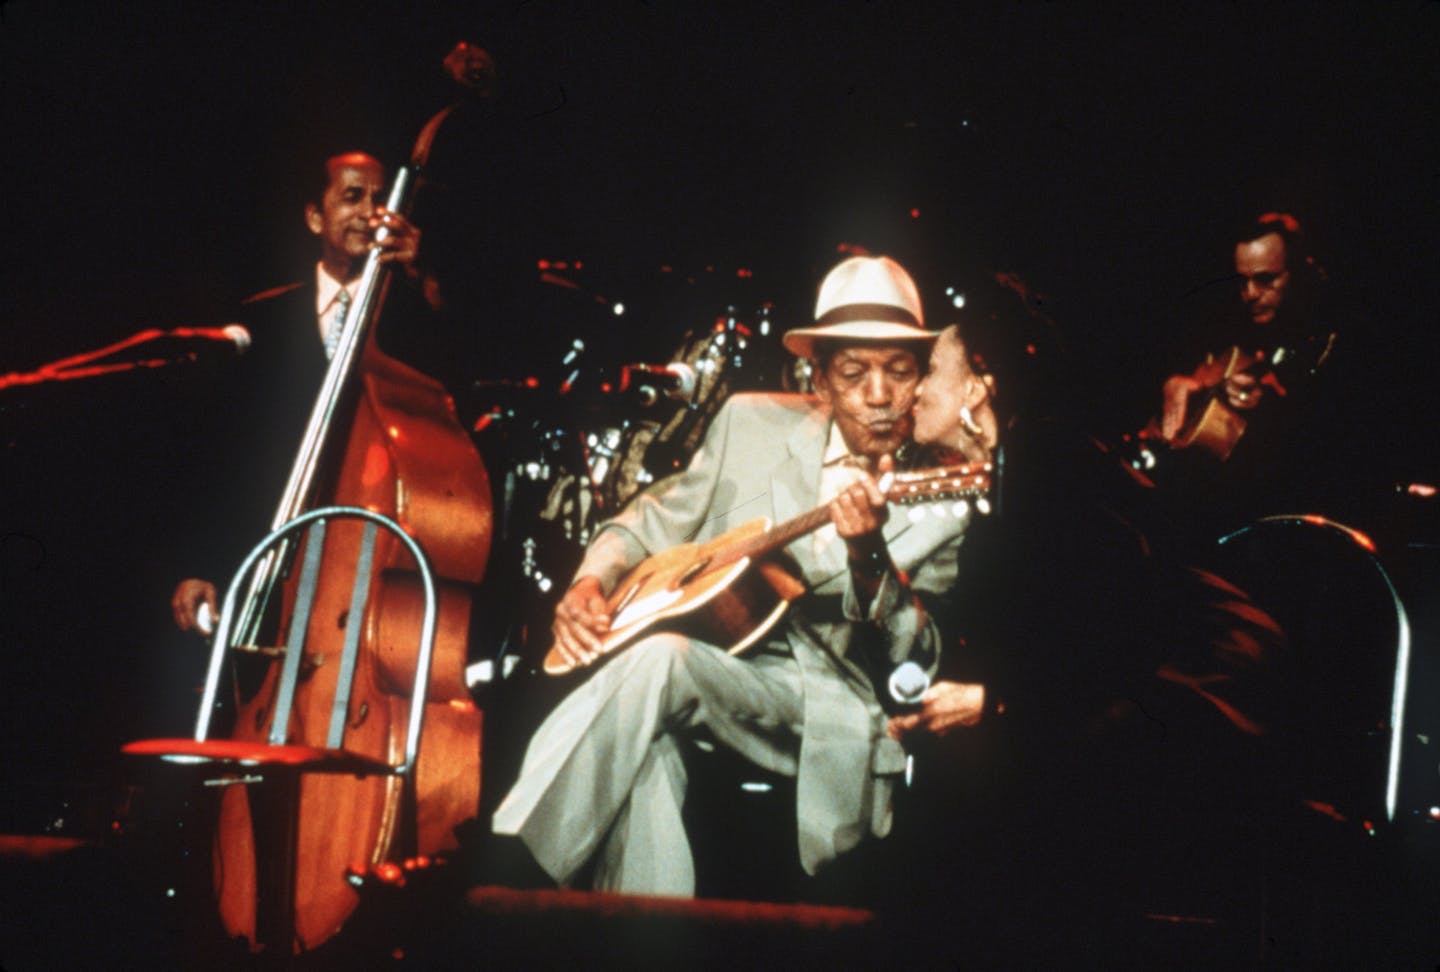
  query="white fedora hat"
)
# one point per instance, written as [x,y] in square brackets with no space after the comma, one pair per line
[864,298]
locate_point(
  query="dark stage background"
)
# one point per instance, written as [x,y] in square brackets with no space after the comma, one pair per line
[155,154]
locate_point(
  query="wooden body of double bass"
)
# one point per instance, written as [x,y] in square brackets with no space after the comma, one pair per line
[406,456]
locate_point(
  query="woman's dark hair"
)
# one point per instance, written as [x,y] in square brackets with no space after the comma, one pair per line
[1009,337]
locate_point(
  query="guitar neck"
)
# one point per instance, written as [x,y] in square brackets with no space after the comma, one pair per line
[782,534]
[950,482]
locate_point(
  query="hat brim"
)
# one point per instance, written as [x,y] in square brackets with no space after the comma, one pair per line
[801,340]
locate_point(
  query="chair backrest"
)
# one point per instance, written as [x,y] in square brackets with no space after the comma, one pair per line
[275,545]
[1346,667]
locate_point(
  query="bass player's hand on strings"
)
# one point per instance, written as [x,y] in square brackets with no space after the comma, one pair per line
[400,243]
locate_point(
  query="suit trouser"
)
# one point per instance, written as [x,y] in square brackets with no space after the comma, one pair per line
[603,777]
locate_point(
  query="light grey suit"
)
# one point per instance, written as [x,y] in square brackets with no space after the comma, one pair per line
[603,773]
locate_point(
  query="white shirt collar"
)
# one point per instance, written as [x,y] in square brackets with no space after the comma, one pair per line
[326,287]
[838,469]
[836,451]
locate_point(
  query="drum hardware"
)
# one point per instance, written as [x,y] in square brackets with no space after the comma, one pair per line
[575,455]
[799,377]
[724,358]
[601,449]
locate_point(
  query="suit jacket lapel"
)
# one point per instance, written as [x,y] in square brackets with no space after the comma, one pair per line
[795,483]
[916,541]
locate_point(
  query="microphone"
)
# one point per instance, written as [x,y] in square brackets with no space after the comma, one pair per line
[908,684]
[236,335]
[675,380]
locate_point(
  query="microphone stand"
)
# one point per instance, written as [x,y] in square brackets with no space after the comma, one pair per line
[79,366]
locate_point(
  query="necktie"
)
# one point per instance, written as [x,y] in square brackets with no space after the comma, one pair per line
[337,323]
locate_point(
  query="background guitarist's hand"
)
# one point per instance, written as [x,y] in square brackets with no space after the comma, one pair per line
[1176,396]
[1243,391]
[581,617]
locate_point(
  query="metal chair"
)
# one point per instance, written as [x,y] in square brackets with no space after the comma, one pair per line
[276,764]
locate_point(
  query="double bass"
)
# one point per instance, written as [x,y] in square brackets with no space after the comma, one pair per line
[384,437]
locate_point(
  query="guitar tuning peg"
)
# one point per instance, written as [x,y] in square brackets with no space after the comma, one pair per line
[983,505]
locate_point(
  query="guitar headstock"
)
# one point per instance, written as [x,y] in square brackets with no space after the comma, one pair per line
[958,483]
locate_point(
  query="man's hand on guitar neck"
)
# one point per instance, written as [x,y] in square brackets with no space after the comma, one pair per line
[858,513]
[581,618]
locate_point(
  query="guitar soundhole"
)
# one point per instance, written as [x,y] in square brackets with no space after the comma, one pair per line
[693,571]
[628,597]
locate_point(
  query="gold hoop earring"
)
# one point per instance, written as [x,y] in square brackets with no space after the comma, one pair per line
[967,420]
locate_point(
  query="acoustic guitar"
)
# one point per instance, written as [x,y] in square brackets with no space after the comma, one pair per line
[728,591]
[1210,424]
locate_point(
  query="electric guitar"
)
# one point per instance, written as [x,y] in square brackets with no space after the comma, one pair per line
[728,591]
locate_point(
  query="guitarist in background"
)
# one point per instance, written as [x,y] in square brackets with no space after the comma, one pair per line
[1245,415]
[603,781]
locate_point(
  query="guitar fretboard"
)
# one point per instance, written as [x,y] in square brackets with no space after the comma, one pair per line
[780,535]
[954,482]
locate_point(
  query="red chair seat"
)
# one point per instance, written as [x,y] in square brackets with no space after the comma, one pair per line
[239,753]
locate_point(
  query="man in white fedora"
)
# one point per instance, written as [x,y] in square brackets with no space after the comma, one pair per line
[603,780]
